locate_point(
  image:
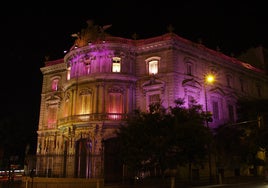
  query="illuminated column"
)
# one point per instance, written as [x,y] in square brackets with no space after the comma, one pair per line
[101,99]
[73,105]
[96,98]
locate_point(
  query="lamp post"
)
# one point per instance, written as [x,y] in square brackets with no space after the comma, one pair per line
[209,79]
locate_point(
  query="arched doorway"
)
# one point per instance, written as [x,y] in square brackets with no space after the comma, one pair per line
[82,158]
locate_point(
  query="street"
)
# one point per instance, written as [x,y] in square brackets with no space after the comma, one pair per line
[240,185]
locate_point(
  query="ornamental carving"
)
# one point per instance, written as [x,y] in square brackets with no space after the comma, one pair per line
[90,34]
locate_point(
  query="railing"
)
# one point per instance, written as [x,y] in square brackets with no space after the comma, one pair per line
[57,166]
[93,117]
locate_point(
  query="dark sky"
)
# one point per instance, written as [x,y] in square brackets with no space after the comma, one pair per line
[31,32]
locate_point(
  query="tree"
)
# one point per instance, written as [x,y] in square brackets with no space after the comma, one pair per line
[229,146]
[253,113]
[252,109]
[191,138]
[236,145]
[164,138]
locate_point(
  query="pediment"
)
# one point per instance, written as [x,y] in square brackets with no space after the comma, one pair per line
[192,83]
[217,90]
[53,99]
[153,84]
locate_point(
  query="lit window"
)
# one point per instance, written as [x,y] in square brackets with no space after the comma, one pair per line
[87,63]
[153,67]
[52,116]
[115,106]
[116,66]
[55,83]
[86,101]
[87,68]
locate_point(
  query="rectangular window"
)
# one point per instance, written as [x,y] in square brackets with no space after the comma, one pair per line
[87,69]
[86,105]
[189,69]
[115,105]
[116,65]
[153,67]
[190,101]
[215,107]
[52,117]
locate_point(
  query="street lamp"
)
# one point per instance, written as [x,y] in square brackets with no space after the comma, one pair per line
[209,79]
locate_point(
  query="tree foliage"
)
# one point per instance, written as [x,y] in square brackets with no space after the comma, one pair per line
[164,138]
[252,109]
[237,144]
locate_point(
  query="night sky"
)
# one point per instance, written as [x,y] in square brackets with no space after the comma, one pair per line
[31,32]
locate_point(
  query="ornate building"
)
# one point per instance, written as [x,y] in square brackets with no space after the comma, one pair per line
[102,79]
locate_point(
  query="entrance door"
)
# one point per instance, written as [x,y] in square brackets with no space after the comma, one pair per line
[113,168]
[82,158]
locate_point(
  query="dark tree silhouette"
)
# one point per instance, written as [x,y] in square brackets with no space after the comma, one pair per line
[162,139]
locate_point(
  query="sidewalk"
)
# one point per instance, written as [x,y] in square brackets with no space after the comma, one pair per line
[226,181]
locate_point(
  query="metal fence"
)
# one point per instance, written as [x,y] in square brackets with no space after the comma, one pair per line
[71,166]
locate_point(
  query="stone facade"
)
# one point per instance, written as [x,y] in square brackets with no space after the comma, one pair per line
[101,80]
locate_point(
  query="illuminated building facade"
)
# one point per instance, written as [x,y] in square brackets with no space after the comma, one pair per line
[102,79]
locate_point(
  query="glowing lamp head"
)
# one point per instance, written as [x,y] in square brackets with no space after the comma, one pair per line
[210,78]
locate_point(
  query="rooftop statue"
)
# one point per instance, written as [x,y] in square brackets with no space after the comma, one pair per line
[91,33]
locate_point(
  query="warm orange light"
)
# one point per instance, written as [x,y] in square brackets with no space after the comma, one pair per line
[210,78]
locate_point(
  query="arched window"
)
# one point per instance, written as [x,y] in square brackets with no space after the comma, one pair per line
[86,101]
[115,103]
[52,116]
[54,85]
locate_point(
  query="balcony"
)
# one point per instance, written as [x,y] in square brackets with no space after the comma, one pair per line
[93,117]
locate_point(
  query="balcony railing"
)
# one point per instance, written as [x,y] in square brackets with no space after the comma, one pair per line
[93,117]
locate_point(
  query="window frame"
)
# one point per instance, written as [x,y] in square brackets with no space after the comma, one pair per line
[156,61]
